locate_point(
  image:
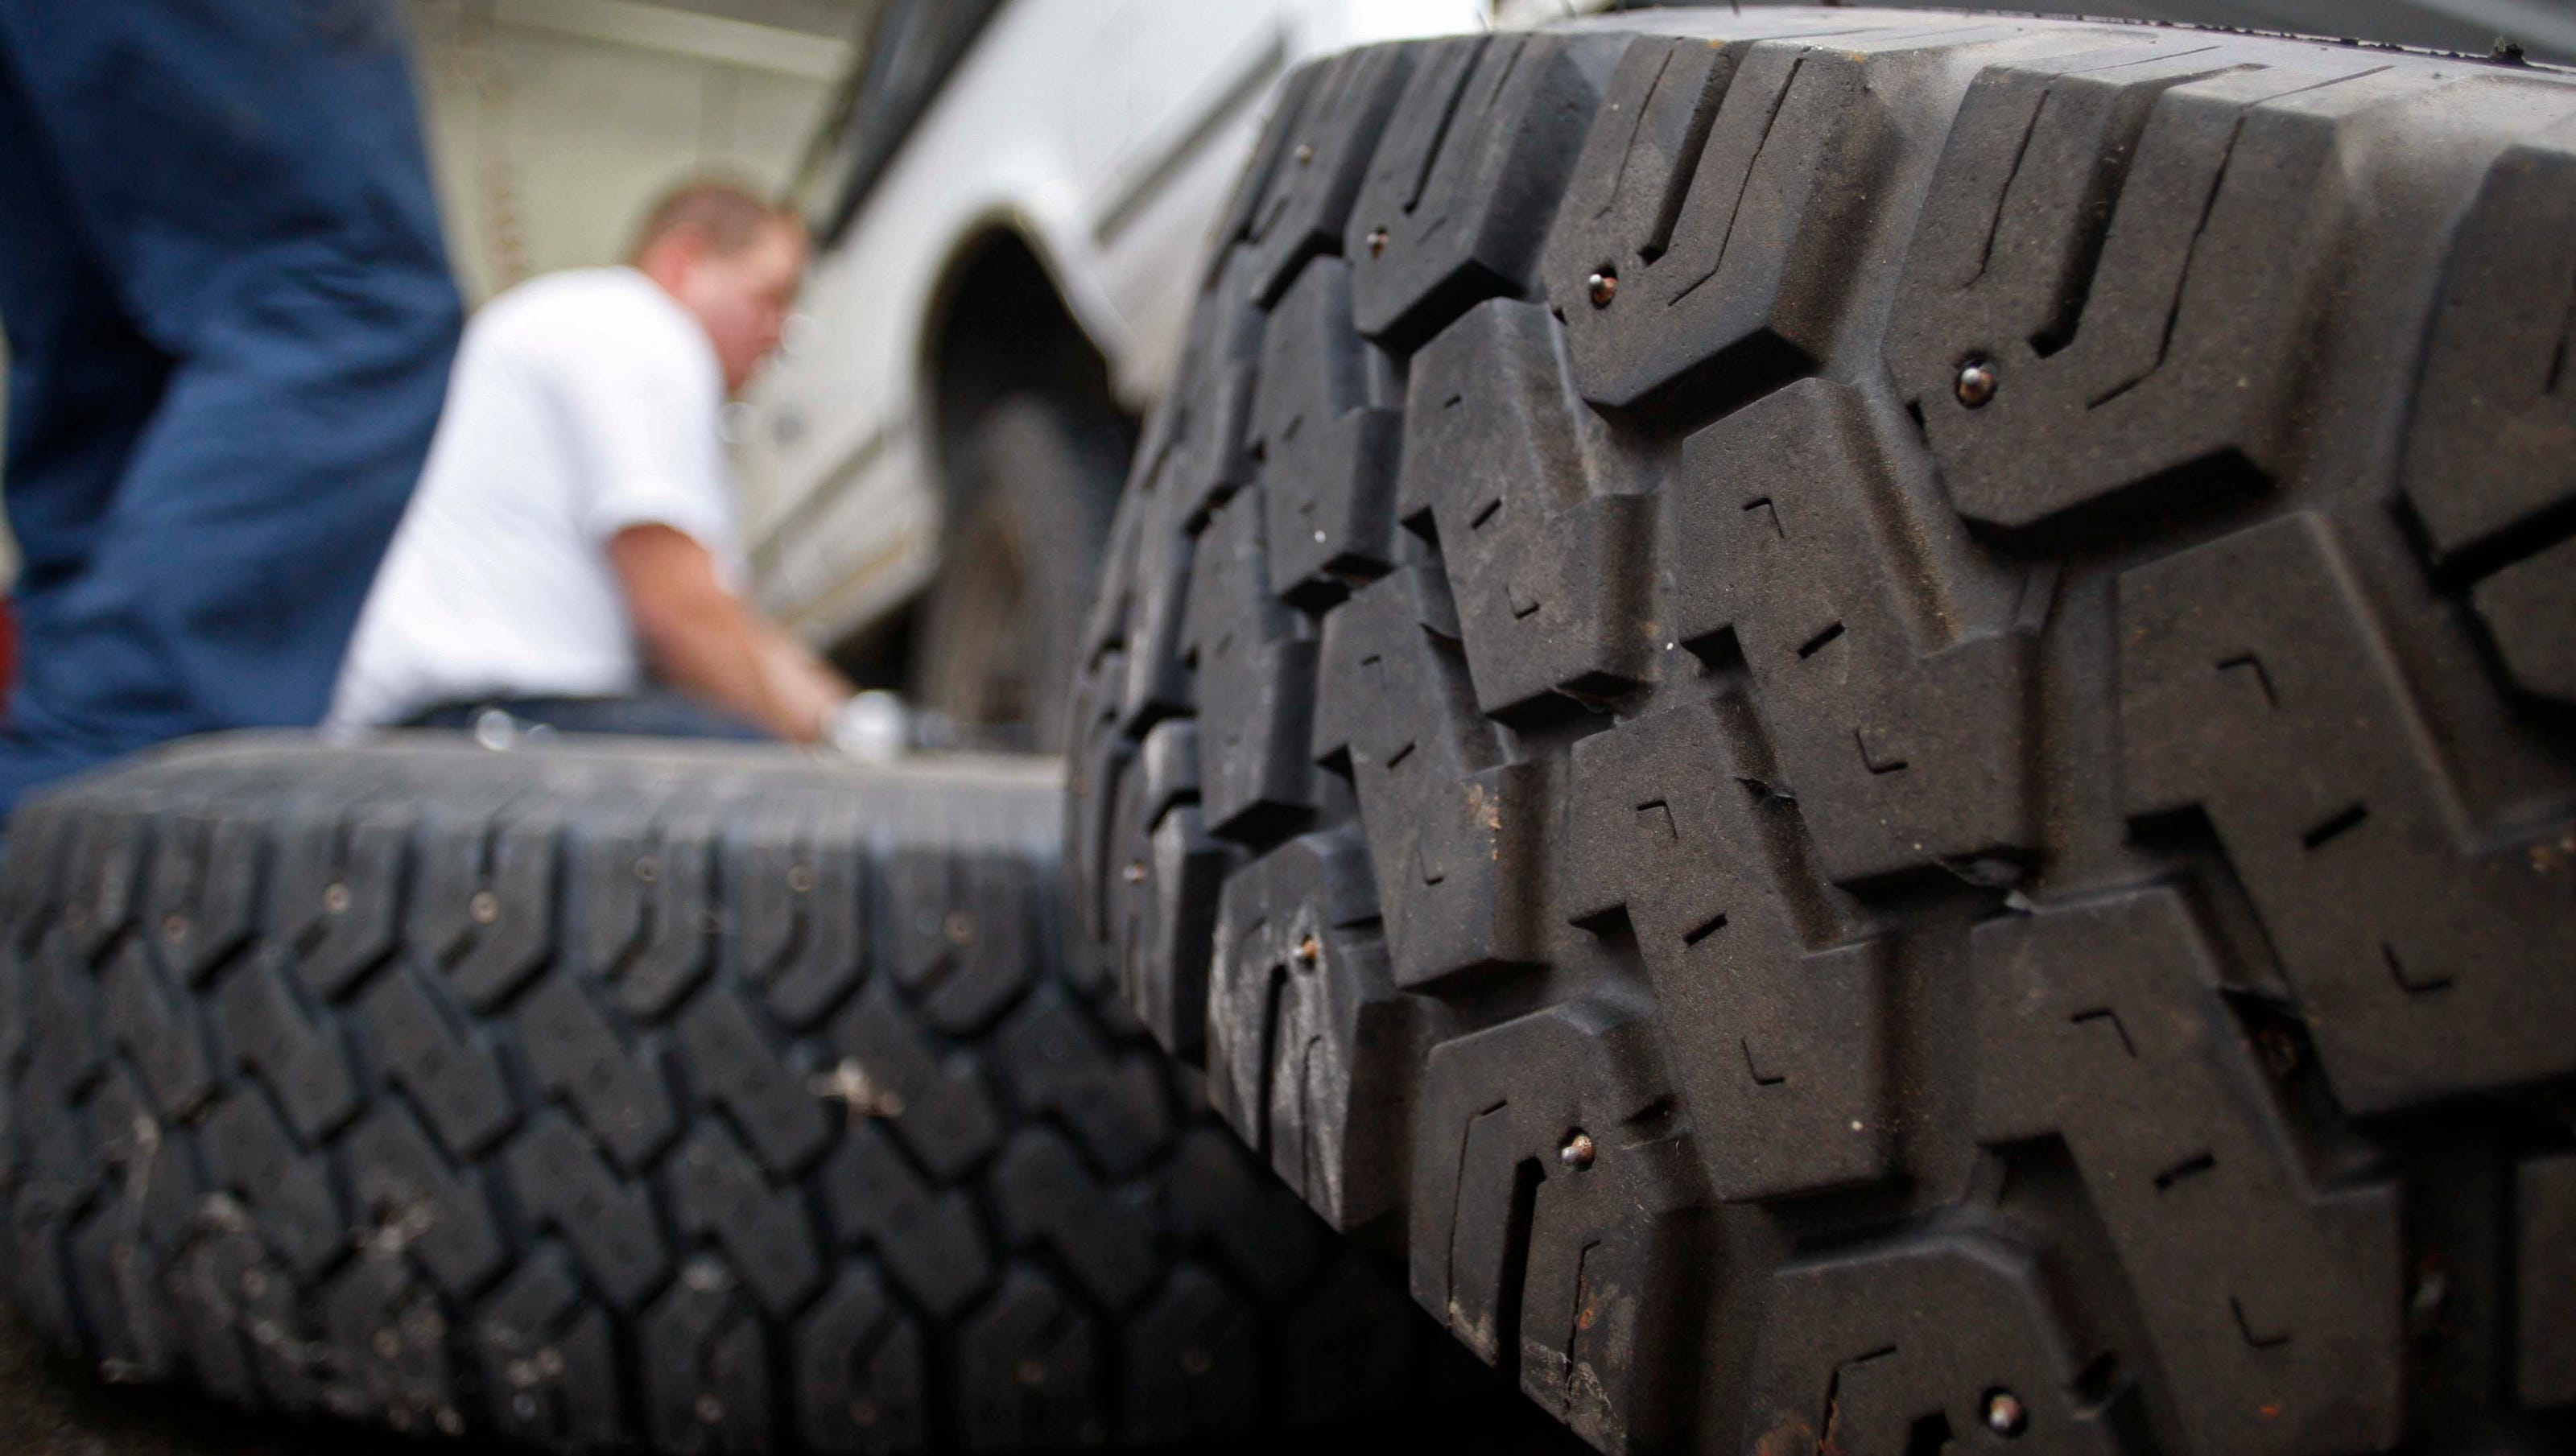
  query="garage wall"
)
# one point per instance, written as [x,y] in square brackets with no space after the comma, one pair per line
[553,123]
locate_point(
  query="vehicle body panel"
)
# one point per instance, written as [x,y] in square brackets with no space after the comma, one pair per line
[1103,136]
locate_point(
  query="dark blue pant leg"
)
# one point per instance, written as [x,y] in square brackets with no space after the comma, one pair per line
[245,181]
[83,385]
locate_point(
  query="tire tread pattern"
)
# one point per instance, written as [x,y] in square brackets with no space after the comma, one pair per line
[1875,709]
[696,1101]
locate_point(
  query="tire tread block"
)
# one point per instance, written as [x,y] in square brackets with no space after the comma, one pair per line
[1872,1349]
[1504,1229]
[1056,1061]
[705,1363]
[2253,686]
[1209,452]
[1327,128]
[287,1190]
[1897,755]
[862,1384]
[961,935]
[412,1200]
[1046,1197]
[1025,1367]
[715,1191]
[483,897]
[1453,820]
[1781,1051]
[799,895]
[1251,673]
[645,907]
[2274,1307]
[1720,187]
[548,1366]
[939,1108]
[623,1097]
[103,868]
[1194,1364]
[333,892]
[455,1082]
[302,1060]
[1460,193]
[1325,442]
[1162,900]
[561,1183]
[157,1031]
[1304,1027]
[2486,450]
[202,898]
[927,1238]
[2530,611]
[2545,1270]
[123,1249]
[1545,574]
[399,1368]
[737,1068]
[2134,241]
[52,1177]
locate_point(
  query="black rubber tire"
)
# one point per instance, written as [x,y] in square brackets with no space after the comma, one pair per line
[1002,626]
[505,1093]
[1870,719]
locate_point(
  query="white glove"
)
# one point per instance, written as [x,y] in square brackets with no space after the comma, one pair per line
[872,727]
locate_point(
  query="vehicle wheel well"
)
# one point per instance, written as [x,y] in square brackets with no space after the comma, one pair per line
[1004,329]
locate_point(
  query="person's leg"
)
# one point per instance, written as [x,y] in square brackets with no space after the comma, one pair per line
[249,174]
[82,386]
[652,714]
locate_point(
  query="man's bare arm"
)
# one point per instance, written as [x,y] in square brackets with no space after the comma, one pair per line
[703,640]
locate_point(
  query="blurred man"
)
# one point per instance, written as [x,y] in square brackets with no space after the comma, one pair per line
[230,319]
[571,558]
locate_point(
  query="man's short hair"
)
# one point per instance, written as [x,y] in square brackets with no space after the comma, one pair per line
[726,213]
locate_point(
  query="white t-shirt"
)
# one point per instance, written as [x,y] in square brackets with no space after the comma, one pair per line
[582,403]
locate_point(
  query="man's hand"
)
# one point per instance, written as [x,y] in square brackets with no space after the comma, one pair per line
[701,638]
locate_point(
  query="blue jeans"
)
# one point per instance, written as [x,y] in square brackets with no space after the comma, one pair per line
[230,319]
[648,714]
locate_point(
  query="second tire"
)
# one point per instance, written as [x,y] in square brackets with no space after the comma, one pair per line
[655,1097]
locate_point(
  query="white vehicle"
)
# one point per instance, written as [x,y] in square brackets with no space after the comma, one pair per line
[1011,200]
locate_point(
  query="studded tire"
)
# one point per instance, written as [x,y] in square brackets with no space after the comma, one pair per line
[1869,719]
[685,1101]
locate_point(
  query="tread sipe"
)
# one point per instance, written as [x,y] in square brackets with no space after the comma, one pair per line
[1868,719]
[688,1100]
